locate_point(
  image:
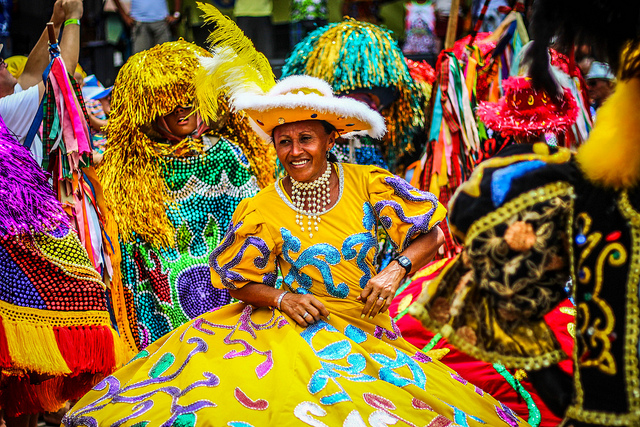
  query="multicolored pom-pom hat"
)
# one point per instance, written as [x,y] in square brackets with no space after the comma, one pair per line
[525,111]
[299,98]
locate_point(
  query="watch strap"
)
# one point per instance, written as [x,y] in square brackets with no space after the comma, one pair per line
[404,263]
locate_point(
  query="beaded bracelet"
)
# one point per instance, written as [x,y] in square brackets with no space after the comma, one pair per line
[279,301]
[72,21]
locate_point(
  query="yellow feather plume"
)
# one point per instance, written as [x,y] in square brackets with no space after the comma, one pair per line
[611,155]
[235,66]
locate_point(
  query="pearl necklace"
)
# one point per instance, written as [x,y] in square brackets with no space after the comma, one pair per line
[316,195]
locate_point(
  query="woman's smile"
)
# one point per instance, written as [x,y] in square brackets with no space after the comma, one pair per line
[302,148]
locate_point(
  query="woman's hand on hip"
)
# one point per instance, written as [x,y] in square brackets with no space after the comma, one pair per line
[381,289]
[304,309]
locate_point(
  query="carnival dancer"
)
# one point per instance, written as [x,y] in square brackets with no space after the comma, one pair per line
[537,216]
[172,181]
[524,115]
[56,339]
[322,350]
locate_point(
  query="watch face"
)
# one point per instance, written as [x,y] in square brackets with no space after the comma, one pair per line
[404,261]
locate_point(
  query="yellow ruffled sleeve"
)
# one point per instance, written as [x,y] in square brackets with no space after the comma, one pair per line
[245,253]
[404,211]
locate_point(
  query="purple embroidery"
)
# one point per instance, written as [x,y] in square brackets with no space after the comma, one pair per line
[244,324]
[405,190]
[465,382]
[117,394]
[380,332]
[507,415]
[227,275]
[459,378]
[420,223]
[421,357]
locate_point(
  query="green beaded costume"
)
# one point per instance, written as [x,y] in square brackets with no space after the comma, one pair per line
[168,286]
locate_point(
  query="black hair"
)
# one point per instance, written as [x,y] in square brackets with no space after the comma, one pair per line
[328,127]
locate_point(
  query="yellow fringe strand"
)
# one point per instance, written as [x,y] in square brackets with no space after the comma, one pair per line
[262,157]
[611,155]
[121,351]
[24,337]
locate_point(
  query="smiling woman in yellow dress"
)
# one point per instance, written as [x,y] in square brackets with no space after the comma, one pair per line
[321,350]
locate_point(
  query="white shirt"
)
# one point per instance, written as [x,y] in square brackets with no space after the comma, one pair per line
[18,111]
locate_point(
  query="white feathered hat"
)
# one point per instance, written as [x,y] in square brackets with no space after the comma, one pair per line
[298,98]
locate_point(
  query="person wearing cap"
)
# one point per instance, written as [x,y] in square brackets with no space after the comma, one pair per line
[600,84]
[97,100]
[20,97]
[321,349]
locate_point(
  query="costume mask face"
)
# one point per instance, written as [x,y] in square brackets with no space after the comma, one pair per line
[180,123]
[302,149]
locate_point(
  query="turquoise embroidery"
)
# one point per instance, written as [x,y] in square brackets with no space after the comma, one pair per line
[311,257]
[367,240]
[388,373]
[460,417]
[141,355]
[355,334]
[356,364]
[161,366]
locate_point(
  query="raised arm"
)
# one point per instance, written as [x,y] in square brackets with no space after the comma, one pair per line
[381,288]
[70,43]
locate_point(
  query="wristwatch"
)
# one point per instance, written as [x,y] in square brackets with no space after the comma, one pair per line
[176,15]
[404,263]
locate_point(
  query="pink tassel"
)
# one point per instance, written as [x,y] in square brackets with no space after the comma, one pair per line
[59,72]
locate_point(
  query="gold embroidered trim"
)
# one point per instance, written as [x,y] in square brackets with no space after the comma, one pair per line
[603,418]
[631,333]
[418,311]
[595,330]
[516,205]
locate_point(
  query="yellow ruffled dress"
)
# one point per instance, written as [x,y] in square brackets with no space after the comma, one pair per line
[243,366]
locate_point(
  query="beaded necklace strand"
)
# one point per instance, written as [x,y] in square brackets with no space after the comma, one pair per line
[316,195]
